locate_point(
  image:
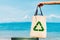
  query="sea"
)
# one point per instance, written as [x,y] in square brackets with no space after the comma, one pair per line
[22,29]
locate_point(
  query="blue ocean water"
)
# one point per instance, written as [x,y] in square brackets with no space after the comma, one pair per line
[22,29]
[51,27]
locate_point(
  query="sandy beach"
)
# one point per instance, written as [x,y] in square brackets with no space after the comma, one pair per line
[26,34]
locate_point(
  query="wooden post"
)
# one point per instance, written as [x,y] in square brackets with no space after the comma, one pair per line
[37,38]
[24,38]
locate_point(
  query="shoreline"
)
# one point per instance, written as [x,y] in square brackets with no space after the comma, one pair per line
[26,34]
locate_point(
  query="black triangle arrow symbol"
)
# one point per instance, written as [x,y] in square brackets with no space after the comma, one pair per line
[42,29]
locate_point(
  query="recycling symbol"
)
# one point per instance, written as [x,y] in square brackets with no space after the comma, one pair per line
[38,23]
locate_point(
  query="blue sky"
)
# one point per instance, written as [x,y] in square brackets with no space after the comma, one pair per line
[23,10]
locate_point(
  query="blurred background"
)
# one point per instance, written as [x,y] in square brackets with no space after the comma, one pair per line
[16,18]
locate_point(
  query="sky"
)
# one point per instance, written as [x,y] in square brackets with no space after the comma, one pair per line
[23,10]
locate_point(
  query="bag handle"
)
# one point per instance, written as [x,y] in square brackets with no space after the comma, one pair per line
[36,13]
